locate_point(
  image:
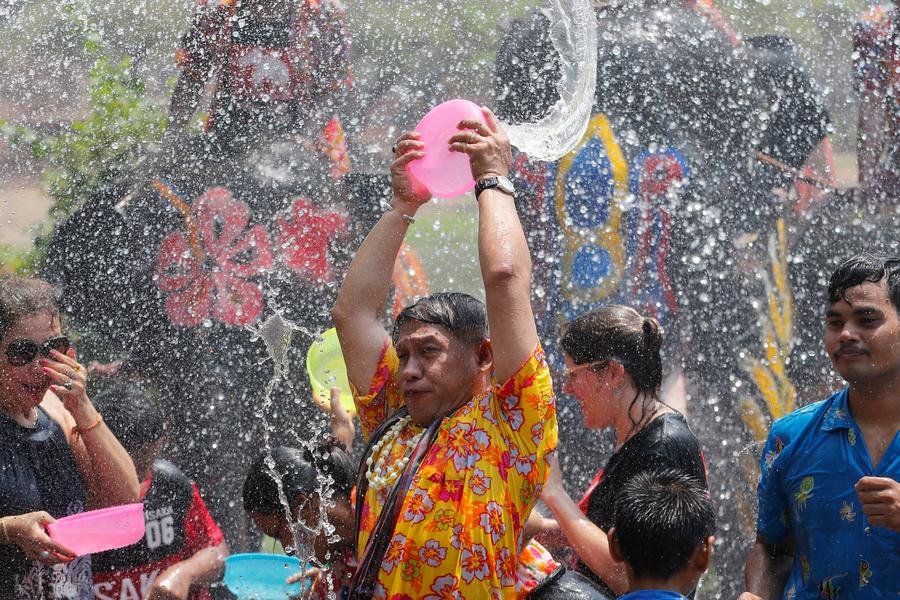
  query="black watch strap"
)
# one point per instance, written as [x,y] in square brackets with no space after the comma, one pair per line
[494,182]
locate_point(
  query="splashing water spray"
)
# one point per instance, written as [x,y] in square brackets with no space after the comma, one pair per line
[277,332]
[573,32]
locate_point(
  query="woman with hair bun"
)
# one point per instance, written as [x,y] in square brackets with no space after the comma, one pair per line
[614,370]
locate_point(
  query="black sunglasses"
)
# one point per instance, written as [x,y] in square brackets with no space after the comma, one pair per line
[22,351]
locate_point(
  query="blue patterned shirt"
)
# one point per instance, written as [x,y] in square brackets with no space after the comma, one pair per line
[653,595]
[810,464]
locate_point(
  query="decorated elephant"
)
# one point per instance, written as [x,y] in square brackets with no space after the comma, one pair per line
[173,269]
[174,274]
[666,206]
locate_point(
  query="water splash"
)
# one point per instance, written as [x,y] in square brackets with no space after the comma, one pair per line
[277,332]
[573,31]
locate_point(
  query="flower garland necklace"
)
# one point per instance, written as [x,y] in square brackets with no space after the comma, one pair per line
[380,475]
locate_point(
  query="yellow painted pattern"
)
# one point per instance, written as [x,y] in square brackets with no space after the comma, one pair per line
[769,374]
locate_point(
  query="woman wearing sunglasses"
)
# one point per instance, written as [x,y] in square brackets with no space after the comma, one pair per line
[614,370]
[57,457]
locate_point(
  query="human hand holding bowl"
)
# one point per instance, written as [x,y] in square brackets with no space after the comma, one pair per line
[486,144]
[28,532]
[409,194]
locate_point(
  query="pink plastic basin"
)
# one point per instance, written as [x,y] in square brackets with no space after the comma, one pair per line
[99,530]
[446,174]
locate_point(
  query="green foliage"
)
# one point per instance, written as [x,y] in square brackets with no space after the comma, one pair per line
[444,224]
[21,261]
[119,130]
[456,38]
[109,142]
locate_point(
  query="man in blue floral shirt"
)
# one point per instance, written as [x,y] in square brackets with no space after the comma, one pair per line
[829,497]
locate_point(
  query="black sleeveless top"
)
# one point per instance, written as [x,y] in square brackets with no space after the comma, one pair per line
[38,472]
[666,441]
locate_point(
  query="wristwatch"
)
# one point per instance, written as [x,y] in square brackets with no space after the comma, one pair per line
[503,183]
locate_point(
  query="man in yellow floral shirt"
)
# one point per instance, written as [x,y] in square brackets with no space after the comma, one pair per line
[460,425]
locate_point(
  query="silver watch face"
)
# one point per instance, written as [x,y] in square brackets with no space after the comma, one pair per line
[506,185]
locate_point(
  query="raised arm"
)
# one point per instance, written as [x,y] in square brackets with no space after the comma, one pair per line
[360,302]
[183,104]
[502,249]
[106,468]
[342,427]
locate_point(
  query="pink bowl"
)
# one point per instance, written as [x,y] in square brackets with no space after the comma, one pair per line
[446,174]
[99,530]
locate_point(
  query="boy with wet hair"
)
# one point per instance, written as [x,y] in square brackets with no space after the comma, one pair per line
[183,549]
[663,531]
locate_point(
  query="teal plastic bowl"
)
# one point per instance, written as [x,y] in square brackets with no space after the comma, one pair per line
[261,576]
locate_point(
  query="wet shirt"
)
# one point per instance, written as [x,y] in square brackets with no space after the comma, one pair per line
[177,525]
[666,441]
[811,462]
[462,518]
[38,472]
[653,595]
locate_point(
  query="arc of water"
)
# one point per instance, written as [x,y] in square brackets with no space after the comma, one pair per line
[573,32]
[276,332]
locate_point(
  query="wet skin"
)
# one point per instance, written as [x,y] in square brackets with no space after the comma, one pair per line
[437,372]
[862,335]
[23,388]
[584,383]
[340,515]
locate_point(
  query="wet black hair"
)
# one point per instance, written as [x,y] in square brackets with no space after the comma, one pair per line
[862,268]
[461,314]
[618,333]
[300,468]
[131,415]
[661,517]
[22,297]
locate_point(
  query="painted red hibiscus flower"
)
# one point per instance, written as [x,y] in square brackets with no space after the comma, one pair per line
[215,282]
[303,237]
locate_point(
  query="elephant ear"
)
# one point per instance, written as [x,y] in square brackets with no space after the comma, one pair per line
[87,256]
[673,77]
[798,117]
